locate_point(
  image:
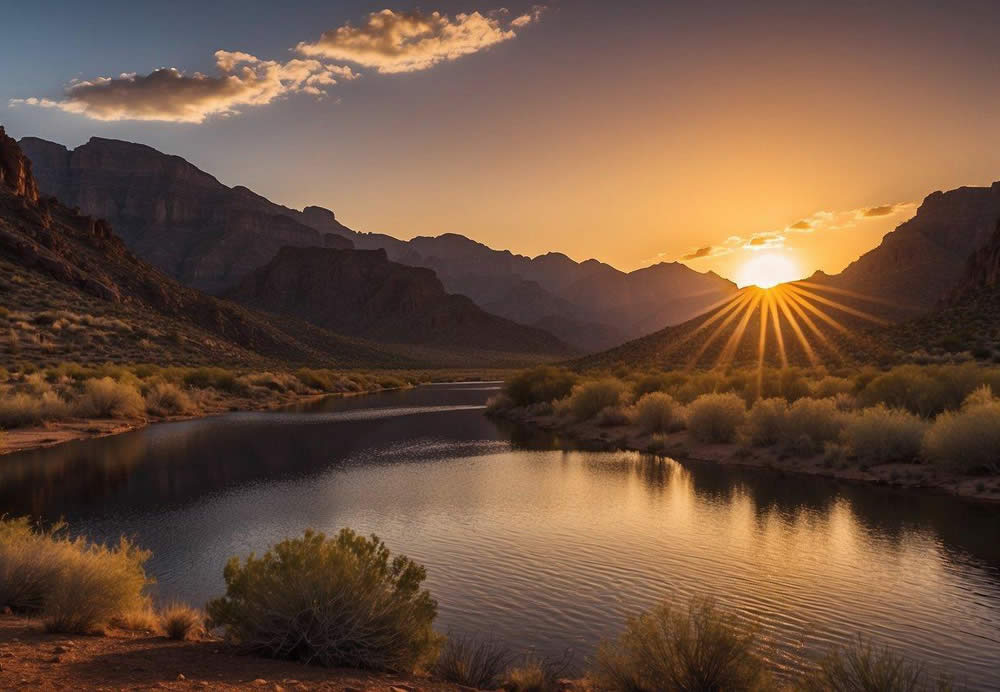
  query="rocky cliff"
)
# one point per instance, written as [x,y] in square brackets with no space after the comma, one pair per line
[362,293]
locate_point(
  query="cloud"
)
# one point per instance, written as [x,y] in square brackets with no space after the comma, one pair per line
[390,41]
[707,251]
[883,210]
[800,226]
[167,94]
[764,241]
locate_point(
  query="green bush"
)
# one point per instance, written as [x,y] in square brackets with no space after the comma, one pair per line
[810,423]
[656,412]
[542,384]
[967,440]
[882,435]
[106,398]
[766,421]
[75,585]
[590,398]
[716,417]
[865,668]
[339,602]
[670,649]
[478,663]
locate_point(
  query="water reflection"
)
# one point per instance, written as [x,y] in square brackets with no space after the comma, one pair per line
[542,547]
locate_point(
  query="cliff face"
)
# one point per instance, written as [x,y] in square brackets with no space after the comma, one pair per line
[169,212]
[982,272]
[15,170]
[920,262]
[362,293]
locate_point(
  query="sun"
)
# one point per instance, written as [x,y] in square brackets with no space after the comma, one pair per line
[768,270]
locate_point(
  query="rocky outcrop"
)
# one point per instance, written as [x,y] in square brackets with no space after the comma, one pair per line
[172,214]
[15,170]
[363,293]
[924,259]
[982,272]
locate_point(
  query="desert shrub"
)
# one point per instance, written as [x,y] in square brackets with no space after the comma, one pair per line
[544,383]
[610,416]
[19,410]
[698,384]
[699,648]
[881,434]
[766,421]
[655,412]
[534,675]
[478,663]
[105,398]
[967,440]
[167,399]
[180,621]
[590,398]
[810,423]
[865,668]
[925,390]
[716,417]
[500,403]
[339,602]
[75,585]
[217,378]
[656,382]
[831,386]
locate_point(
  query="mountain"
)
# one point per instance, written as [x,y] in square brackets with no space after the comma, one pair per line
[211,236]
[71,290]
[362,293]
[923,259]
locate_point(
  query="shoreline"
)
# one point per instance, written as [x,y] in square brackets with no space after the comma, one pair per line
[55,433]
[680,446]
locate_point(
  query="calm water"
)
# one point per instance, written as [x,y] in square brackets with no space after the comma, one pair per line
[543,548]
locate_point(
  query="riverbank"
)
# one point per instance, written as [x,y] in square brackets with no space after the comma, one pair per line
[32,659]
[681,446]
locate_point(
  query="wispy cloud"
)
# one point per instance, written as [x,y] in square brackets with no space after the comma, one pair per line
[390,41]
[386,41]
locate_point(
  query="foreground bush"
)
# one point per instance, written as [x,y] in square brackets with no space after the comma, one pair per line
[883,435]
[590,398]
[533,675]
[966,440]
[716,417]
[106,398]
[339,602]
[538,385]
[810,423]
[670,649]
[473,663]
[865,668]
[75,585]
[19,410]
[656,412]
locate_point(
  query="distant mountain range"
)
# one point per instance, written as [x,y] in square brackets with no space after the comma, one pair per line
[931,286]
[70,289]
[211,236]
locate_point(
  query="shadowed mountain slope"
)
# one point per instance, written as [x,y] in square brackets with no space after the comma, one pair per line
[211,236]
[362,293]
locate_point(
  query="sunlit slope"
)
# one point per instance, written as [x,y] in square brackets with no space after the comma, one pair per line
[797,323]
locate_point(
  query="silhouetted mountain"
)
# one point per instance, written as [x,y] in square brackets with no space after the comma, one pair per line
[362,293]
[211,236]
[920,262]
[59,266]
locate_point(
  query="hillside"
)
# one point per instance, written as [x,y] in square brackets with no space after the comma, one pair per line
[210,236]
[923,259]
[70,290]
[362,293]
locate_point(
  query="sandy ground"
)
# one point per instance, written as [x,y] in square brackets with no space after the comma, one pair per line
[681,446]
[31,659]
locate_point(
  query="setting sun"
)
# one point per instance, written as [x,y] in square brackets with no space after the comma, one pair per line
[768,270]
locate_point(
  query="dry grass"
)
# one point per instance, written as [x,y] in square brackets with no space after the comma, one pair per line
[180,621]
[167,399]
[478,663]
[867,668]
[75,585]
[106,398]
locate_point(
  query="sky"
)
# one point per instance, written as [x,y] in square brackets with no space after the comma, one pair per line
[716,133]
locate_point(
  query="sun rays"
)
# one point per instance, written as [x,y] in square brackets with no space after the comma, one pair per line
[789,324]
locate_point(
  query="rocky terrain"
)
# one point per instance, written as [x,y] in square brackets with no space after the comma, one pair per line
[211,236]
[362,293]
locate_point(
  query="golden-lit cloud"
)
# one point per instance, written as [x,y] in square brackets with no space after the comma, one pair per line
[167,94]
[883,210]
[699,253]
[801,226]
[390,41]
